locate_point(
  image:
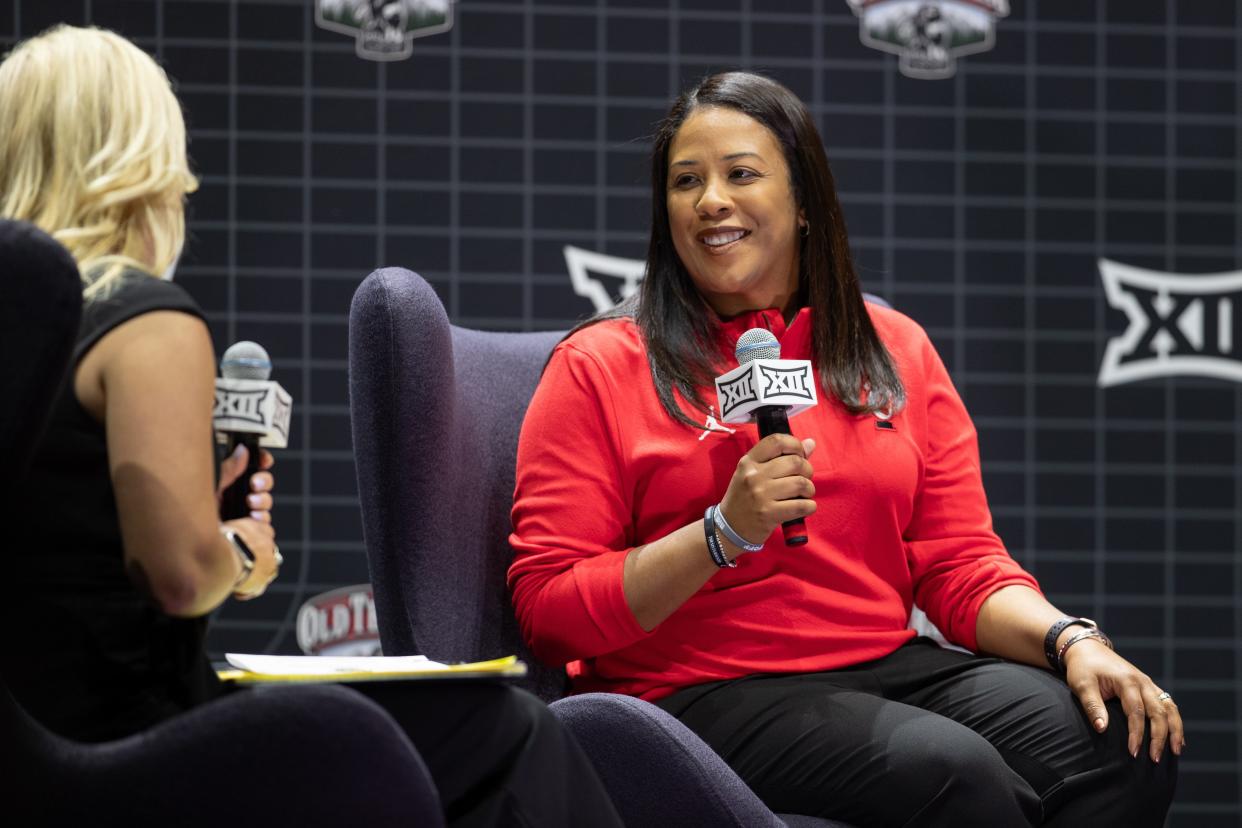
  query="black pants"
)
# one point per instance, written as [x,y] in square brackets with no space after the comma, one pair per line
[927,736]
[497,754]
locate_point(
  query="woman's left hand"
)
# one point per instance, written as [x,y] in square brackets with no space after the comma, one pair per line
[1096,674]
[261,482]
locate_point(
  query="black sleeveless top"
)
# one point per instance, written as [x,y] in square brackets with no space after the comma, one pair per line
[87,653]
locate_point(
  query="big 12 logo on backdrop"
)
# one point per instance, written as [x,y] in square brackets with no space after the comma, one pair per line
[1179,324]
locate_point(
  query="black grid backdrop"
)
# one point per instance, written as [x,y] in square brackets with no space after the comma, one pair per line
[979,205]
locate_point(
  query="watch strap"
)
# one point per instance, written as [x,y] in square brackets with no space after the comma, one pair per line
[245,555]
[1054,632]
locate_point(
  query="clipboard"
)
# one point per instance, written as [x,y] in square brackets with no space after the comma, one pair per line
[248,669]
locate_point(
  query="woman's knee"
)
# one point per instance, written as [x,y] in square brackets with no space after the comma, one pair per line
[953,776]
[1145,785]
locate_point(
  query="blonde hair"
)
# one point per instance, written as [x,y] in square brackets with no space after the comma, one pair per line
[93,151]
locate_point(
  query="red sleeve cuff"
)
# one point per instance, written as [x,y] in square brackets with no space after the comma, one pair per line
[965,630]
[601,584]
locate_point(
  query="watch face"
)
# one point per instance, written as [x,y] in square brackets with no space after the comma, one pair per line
[239,544]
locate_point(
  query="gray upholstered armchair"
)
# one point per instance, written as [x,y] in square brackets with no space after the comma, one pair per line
[436,410]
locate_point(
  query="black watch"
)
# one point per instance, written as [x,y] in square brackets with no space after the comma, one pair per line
[1054,632]
[244,554]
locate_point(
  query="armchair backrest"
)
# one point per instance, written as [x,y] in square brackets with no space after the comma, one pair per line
[436,410]
[39,315]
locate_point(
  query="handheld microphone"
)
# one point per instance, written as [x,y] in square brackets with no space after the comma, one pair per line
[768,390]
[250,410]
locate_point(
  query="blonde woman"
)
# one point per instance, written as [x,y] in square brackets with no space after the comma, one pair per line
[125,554]
[121,554]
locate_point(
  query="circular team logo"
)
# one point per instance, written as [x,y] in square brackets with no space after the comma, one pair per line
[929,35]
[385,29]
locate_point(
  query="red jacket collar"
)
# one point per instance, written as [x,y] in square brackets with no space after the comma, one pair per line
[795,338]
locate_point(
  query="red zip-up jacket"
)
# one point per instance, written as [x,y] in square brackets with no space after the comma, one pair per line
[602,468]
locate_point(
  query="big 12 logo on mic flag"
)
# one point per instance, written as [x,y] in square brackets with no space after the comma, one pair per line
[253,406]
[788,383]
[1178,324]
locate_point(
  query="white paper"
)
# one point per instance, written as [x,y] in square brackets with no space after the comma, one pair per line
[327,665]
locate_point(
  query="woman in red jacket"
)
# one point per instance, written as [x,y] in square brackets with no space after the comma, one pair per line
[648,561]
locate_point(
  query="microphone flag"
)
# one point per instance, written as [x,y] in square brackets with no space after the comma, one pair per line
[788,383]
[251,406]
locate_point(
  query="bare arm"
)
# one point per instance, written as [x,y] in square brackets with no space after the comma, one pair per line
[1012,624]
[151,381]
[662,575]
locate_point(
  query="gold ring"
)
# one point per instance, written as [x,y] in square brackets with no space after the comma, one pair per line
[1163,697]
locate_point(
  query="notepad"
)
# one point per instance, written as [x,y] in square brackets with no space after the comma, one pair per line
[256,669]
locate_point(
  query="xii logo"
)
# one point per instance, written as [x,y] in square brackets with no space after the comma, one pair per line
[736,393]
[787,381]
[1179,325]
[241,405]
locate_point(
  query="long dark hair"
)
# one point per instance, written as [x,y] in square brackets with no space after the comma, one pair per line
[679,327]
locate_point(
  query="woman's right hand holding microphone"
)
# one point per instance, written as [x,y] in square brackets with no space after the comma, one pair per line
[772,484]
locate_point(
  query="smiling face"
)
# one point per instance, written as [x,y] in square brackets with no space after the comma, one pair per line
[732,213]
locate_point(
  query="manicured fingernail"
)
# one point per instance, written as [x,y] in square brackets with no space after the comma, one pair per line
[237,452]
[255,500]
[257,515]
[258,484]
[1100,725]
